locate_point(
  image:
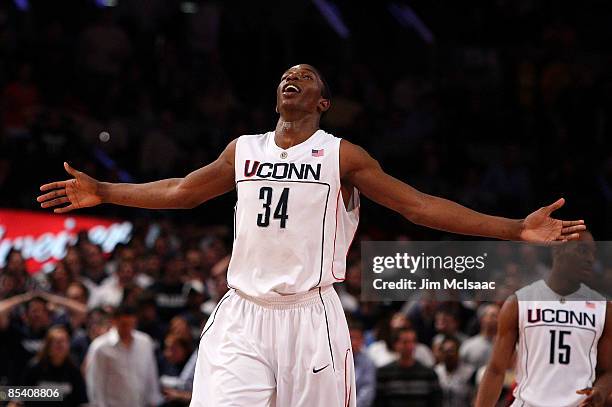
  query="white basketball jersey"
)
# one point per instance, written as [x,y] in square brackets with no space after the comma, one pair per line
[292,229]
[557,345]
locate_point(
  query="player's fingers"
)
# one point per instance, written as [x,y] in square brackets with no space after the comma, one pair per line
[573,229]
[555,205]
[53,185]
[568,237]
[64,209]
[567,223]
[50,195]
[70,170]
[54,202]
[586,390]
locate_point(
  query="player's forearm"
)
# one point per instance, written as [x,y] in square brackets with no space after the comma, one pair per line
[604,384]
[442,214]
[490,387]
[163,194]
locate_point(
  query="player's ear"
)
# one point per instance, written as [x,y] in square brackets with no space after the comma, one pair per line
[276,108]
[324,105]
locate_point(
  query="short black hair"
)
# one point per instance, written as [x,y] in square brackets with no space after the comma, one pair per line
[325,91]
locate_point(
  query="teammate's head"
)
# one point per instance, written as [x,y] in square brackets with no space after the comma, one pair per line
[575,259]
[302,90]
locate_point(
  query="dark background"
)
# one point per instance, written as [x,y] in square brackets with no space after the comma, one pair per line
[504,111]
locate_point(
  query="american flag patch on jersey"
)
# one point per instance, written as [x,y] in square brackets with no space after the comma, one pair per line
[590,304]
[318,153]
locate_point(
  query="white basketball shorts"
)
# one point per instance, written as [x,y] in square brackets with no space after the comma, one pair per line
[293,351]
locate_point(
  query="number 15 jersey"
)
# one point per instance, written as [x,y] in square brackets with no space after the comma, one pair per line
[292,229]
[557,346]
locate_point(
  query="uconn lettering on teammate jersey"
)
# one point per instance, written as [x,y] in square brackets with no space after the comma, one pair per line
[560,316]
[282,170]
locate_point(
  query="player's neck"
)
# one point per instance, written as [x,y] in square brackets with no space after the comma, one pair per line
[561,285]
[292,131]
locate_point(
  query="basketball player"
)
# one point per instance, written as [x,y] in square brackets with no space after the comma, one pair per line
[564,334]
[279,336]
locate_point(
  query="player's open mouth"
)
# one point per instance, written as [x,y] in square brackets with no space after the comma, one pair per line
[291,88]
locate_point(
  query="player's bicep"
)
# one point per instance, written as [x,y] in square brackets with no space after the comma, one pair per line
[210,181]
[506,337]
[364,172]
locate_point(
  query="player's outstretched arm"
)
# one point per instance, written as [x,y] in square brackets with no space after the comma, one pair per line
[507,332]
[361,170]
[602,388]
[83,191]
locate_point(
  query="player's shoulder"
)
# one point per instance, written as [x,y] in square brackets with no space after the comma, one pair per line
[589,294]
[252,137]
[531,292]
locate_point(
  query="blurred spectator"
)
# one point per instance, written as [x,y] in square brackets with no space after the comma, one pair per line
[406,382]
[350,290]
[447,324]
[193,314]
[171,292]
[59,279]
[111,291]
[53,367]
[120,365]
[177,350]
[178,391]
[218,277]
[148,320]
[382,351]
[365,370]
[95,272]
[476,350]
[69,312]
[422,318]
[456,378]
[22,335]
[17,280]
[98,323]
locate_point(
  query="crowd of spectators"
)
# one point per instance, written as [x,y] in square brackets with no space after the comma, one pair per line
[123,328]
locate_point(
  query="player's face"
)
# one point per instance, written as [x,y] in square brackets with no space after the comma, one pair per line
[300,90]
[578,258]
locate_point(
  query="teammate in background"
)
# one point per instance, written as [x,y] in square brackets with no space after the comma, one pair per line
[279,335]
[564,337]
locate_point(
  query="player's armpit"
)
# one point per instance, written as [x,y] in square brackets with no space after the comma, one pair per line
[501,357]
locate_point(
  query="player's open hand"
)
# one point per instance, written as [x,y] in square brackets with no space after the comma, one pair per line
[540,227]
[595,398]
[78,192]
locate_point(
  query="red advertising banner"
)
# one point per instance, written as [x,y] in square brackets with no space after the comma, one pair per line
[43,238]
